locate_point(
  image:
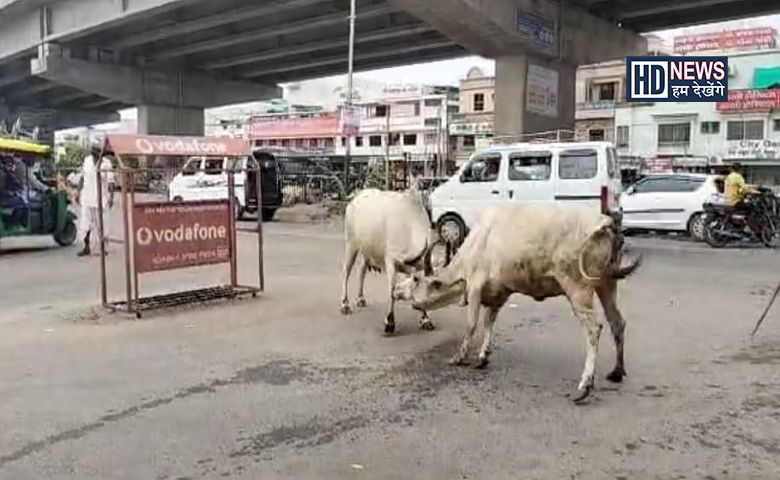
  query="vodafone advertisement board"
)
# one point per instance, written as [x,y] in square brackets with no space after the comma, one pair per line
[157,145]
[168,236]
[759,38]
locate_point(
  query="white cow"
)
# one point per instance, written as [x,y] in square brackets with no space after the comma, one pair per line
[392,232]
[541,252]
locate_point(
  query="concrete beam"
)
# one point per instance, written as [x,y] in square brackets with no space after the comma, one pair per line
[491,29]
[342,42]
[229,41]
[23,29]
[341,59]
[136,86]
[212,21]
[160,120]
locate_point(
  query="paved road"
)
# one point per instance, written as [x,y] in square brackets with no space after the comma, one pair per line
[284,387]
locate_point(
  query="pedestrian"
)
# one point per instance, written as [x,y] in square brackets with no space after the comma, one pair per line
[89,217]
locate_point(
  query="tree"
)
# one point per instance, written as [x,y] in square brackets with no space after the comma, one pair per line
[74,156]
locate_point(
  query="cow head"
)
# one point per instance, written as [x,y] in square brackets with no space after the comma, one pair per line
[428,293]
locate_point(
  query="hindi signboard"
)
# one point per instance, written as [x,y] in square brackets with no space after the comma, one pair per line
[750,100]
[326,126]
[535,28]
[754,150]
[542,91]
[171,235]
[759,38]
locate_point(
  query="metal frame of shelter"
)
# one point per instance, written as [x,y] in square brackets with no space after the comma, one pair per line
[172,146]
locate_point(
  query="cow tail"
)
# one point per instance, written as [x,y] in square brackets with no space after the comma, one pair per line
[623,272]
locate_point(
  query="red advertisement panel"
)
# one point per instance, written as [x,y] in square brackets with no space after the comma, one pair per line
[170,235]
[750,101]
[302,127]
[739,39]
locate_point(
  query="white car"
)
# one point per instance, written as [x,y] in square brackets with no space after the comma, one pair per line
[670,202]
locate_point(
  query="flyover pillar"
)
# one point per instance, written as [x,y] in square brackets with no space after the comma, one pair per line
[533,94]
[167,120]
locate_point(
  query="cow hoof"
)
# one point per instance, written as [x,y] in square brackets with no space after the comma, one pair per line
[428,326]
[616,375]
[389,328]
[456,361]
[581,395]
[345,310]
[482,363]
[361,303]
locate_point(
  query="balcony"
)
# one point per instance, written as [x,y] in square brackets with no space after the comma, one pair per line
[595,109]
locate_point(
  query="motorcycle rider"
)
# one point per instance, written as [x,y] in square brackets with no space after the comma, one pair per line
[735,191]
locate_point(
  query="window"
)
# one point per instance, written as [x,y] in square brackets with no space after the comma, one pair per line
[668,184]
[578,164]
[530,166]
[416,109]
[410,139]
[596,135]
[606,91]
[622,135]
[375,140]
[479,102]
[710,127]
[469,141]
[431,139]
[432,102]
[613,164]
[191,167]
[747,130]
[328,142]
[395,139]
[482,168]
[286,142]
[358,141]
[432,122]
[214,166]
[674,134]
[380,111]
[343,141]
[776,125]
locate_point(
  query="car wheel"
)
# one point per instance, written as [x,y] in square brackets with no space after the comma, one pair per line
[268,214]
[452,229]
[178,199]
[696,226]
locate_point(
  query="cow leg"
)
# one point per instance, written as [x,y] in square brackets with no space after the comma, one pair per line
[391,276]
[475,302]
[349,262]
[487,322]
[581,299]
[608,297]
[361,299]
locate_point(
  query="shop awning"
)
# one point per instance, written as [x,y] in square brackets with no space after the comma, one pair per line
[767,78]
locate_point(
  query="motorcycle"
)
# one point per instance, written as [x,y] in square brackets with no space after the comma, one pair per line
[757,222]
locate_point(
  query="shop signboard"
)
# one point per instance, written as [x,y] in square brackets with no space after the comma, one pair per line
[758,38]
[753,150]
[750,100]
[295,127]
[542,91]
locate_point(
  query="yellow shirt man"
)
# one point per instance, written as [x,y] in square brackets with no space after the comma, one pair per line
[735,188]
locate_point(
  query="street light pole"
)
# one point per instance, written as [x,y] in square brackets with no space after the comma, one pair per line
[349,114]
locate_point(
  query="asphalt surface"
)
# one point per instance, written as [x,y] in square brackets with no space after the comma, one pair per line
[284,387]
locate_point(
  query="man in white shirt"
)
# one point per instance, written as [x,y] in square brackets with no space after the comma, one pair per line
[89,217]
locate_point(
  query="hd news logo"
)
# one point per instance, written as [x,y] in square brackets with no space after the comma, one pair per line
[677,79]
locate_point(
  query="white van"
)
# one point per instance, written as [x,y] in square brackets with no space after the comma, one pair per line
[205,178]
[527,173]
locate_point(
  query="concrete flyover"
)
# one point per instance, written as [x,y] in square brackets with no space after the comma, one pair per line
[172,58]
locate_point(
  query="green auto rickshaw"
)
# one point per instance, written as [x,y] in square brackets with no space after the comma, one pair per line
[30,205]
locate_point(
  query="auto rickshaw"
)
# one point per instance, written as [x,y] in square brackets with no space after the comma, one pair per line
[29,205]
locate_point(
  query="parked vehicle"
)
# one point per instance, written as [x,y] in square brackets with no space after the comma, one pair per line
[576,173]
[757,221]
[23,213]
[207,179]
[668,202]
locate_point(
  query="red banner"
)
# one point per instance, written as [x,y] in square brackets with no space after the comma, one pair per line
[750,101]
[122,144]
[300,127]
[738,39]
[170,235]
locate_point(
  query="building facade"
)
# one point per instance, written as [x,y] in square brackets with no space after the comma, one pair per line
[707,136]
[473,126]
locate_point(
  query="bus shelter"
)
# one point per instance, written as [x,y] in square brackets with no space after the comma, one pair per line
[166,235]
